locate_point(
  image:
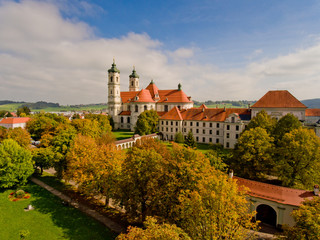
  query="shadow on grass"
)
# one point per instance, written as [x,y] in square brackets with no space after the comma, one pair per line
[75,224]
[123,134]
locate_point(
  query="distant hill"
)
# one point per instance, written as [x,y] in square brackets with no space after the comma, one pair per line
[312,103]
[225,103]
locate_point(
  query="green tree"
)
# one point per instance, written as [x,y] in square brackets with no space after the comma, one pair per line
[216,210]
[147,122]
[307,221]
[24,109]
[103,121]
[190,142]
[263,120]
[154,231]
[286,124]
[298,162]
[43,158]
[179,138]
[252,156]
[4,113]
[215,160]
[41,124]
[15,164]
[87,127]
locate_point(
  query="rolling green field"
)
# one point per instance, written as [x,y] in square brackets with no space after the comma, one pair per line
[49,220]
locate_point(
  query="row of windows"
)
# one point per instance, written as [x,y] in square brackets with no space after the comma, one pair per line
[203,124]
[237,127]
[122,120]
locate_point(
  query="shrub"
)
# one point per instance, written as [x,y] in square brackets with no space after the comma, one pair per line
[19,194]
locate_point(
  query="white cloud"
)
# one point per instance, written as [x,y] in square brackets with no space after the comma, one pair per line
[44,56]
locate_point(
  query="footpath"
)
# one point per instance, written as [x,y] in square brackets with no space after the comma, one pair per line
[113,226]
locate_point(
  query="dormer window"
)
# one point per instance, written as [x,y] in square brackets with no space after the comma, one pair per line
[136,98]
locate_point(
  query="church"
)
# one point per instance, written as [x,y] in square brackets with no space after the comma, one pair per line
[125,107]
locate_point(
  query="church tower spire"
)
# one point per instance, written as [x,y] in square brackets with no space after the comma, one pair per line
[114,99]
[134,81]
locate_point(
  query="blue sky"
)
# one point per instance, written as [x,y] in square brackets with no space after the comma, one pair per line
[58,50]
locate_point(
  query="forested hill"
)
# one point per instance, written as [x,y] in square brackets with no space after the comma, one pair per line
[312,103]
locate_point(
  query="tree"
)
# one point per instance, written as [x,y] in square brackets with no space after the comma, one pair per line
[95,168]
[298,162]
[41,124]
[190,142]
[103,121]
[87,127]
[253,154]
[215,160]
[286,124]
[179,138]
[147,122]
[24,109]
[154,231]
[43,158]
[263,120]
[15,164]
[216,210]
[21,136]
[307,222]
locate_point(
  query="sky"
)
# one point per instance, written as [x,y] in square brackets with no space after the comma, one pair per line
[60,50]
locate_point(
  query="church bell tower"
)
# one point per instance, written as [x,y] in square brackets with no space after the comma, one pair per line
[134,81]
[114,99]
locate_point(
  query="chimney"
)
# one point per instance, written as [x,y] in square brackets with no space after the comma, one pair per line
[316,190]
[224,109]
[231,175]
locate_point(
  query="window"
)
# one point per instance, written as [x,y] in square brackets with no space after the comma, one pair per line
[177,124]
[197,131]
[204,139]
[132,83]
[217,132]
[232,119]
[111,78]
[210,139]
[145,107]
[171,129]
[166,122]
[237,128]
[117,79]
[227,144]
[162,128]
[166,108]
[237,136]
[171,123]
[176,129]
[210,124]
[167,129]
[110,91]
[228,127]
[210,132]
[197,139]
[128,120]
[217,140]
[128,107]
[162,122]
[197,124]
[136,108]
[190,124]
[179,107]
[185,130]
[218,125]
[121,119]
[204,124]
[228,135]
[204,131]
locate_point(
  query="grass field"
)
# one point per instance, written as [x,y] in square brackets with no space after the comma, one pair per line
[123,134]
[202,147]
[49,220]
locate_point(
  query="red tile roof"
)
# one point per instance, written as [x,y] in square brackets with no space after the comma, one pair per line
[126,113]
[203,106]
[313,112]
[278,99]
[127,97]
[275,193]
[173,96]
[144,96]
[153,89]
[211,114]
[173,114]
[14,120]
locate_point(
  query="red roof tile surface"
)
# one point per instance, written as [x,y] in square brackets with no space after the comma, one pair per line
[14,120]
[275,193]
[278,99]
[127,97]
[173,114]
[208,114]
[313,112]
[126,113]
[153,89]
[144,96]
[173,96]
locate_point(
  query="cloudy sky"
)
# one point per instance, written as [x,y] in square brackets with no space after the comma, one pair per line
[60,50]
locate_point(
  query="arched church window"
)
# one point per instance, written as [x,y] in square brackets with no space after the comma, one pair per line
[111,78]
[145,107]
[132,83]
[136,108]
[117,79]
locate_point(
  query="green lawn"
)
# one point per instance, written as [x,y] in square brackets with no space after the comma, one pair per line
[202,147]
[123,134]
[49,220]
